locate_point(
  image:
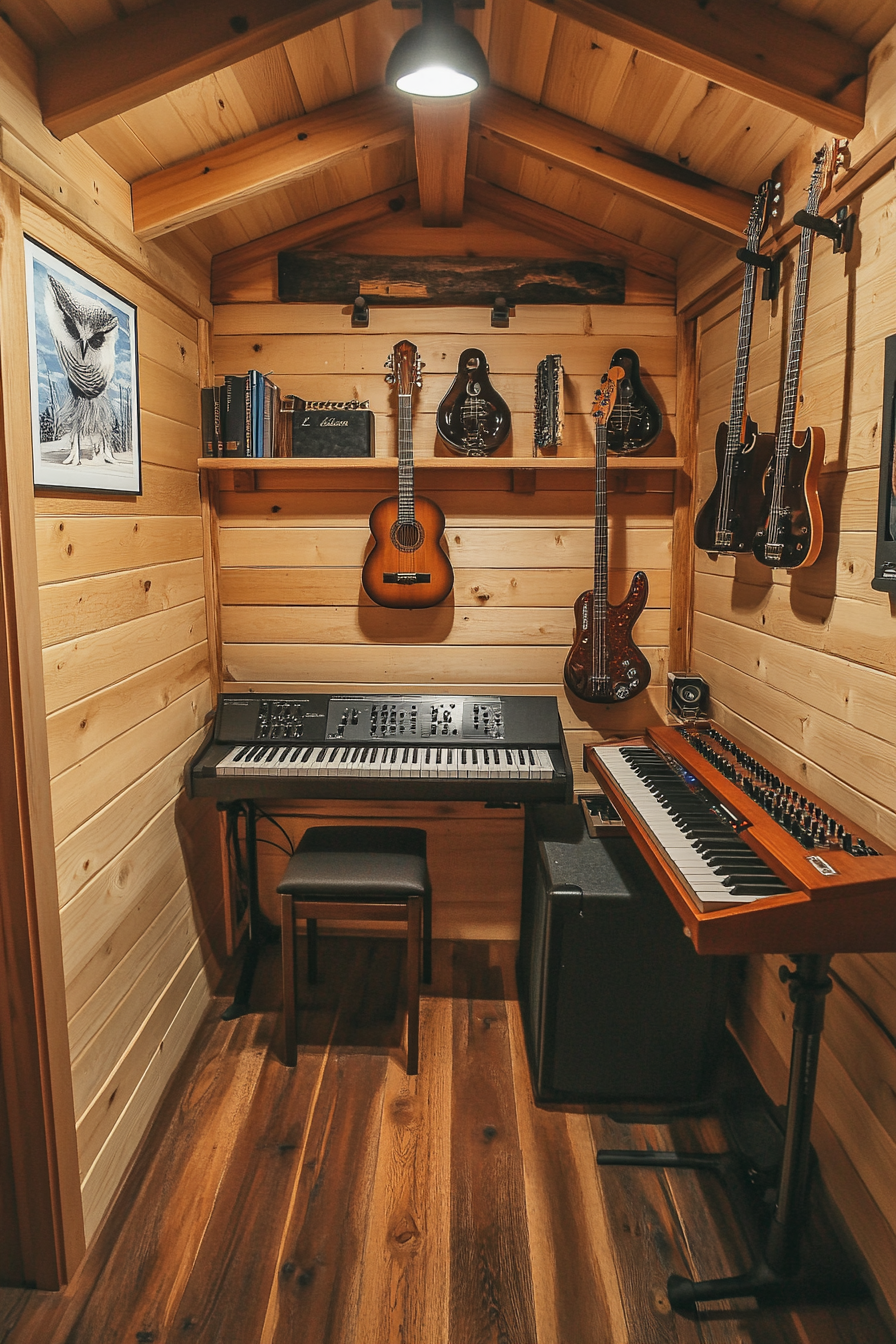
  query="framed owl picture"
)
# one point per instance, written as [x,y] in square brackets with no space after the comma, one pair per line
[85,406]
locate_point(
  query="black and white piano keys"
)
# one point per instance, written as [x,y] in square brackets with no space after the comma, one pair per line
[405,762]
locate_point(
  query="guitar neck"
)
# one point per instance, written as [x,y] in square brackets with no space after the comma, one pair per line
[744,340]
[599,642]
[795,346]
[405,460]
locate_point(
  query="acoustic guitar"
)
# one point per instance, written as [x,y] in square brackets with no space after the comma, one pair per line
[472,417]
[407,566]
[727,522]
[604,665]
[790,528]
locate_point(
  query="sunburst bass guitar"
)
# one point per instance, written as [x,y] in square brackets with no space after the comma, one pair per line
[604,665]
[407,566]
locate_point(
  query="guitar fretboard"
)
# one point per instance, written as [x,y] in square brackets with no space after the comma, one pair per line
[405,460]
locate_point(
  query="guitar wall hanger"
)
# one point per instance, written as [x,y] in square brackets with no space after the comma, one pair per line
[840,229]
[770,266]
[500,312]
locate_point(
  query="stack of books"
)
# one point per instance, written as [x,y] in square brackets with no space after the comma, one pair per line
[241,419]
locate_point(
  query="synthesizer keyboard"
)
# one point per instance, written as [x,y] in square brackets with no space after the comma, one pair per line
[455,747]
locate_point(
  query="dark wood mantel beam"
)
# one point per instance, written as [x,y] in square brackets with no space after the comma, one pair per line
[746,45]
[111,69]
[588,152]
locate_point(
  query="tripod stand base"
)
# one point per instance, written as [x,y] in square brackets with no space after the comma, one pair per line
[684,1294]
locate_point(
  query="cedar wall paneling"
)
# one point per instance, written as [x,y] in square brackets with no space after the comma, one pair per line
[802,667]
[293,613]
[122,607]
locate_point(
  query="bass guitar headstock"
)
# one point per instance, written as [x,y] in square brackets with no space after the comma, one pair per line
[765,209]
[605,396]
[404,368]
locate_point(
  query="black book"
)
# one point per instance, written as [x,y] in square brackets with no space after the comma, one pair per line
[235,415]
[207,408]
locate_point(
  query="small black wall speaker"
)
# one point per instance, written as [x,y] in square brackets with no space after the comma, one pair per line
[688,695]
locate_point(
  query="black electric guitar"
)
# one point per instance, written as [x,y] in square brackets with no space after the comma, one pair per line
[636,419]
[729,518]
[790,529]
[472,417]
[407,566]
[549,405]
[604,665]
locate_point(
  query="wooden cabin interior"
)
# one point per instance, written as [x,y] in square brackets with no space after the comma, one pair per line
[162,1173]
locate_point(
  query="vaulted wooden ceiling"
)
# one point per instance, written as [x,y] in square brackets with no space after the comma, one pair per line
[620,130]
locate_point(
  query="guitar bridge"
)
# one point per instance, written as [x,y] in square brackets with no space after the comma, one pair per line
[724,538]
[406,578]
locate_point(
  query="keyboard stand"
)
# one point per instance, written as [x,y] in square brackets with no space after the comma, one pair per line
[809,985]
[261,930]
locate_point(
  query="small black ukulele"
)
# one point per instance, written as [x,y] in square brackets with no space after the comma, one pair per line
[473,418]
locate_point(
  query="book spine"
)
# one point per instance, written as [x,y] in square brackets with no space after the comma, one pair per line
[207,415]
[235,415]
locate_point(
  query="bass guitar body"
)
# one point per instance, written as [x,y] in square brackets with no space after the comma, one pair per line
[407,567]
[729,518]
[618,670]
[791,530]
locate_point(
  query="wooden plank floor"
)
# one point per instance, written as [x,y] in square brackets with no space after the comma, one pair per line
[343,1202]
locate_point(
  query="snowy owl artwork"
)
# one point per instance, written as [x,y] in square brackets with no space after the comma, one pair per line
[84,403]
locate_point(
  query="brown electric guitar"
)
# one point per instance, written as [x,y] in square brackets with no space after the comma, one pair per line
[407,566]
[790,528]
[604,665]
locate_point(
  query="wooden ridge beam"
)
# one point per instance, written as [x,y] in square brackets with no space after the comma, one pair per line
[241,267]
[747,45]
[545,222]
[506,119]
[143,55]
[441,136]
[223,178]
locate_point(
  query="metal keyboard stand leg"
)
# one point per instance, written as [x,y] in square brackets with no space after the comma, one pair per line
[809,986]
[261,930]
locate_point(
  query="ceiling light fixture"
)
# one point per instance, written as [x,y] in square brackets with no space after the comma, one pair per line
[438,58]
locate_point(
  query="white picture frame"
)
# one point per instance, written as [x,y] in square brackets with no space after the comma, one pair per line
[85,404]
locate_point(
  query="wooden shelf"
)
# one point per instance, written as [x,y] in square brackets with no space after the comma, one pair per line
[547,465]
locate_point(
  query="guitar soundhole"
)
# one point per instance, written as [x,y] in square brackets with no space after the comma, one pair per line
[406,536]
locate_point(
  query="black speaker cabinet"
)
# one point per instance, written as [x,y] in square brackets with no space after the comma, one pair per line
[688,696]
[617,1005]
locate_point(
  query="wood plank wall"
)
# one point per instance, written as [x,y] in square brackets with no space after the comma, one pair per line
[122,607]
[292,610]
[802,667]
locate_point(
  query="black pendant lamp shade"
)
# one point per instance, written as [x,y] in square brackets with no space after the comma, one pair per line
[438,58]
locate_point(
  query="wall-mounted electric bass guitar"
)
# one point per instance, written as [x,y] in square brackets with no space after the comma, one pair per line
[407,566]
[604,664]
[789,531]
[636,419]
[729,518]
[472,417]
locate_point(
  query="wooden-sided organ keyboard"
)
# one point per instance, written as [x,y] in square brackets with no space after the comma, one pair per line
[751,862]
[475,748]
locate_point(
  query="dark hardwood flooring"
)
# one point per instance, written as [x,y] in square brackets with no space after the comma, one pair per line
[342,1201]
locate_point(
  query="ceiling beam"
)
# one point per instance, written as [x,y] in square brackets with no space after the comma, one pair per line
[441,136]
[588,152]
[143,55]
[746,45]
[542,221]
[236,274]
[225,177]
